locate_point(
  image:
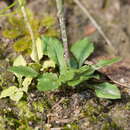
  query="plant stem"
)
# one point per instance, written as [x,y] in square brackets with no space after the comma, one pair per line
[7,8]
[60,9]
[29,28]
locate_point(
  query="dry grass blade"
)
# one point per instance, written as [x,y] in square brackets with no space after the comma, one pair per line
[86,12]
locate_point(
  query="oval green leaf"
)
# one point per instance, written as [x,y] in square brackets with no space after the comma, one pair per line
[8,92]
[48,82]
[55,50]
[82,50]
[103,63]
[17,95]
[23,71]
[107,90]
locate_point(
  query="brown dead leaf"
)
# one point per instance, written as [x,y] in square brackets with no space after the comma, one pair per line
[89,30]
[118,72]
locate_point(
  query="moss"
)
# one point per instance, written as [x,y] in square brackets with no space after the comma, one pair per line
[66,103]
[2,123]
[127,106]
[110,126]
[24,110]
[72,126]
[39,106]
[22,44]
[8,112]
[48,21]
[16,30]
[25,127]
[93,112]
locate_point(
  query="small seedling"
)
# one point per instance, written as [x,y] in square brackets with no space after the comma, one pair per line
[71,74]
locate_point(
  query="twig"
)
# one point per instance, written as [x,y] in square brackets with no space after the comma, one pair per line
[60,9]
[57,104]
[95,23]
[29,28]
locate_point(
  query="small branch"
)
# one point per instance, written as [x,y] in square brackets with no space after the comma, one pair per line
[60,9]
[57,104]
[29,27]
[95,24]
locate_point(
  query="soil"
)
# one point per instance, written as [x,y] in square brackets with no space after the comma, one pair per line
[74,108]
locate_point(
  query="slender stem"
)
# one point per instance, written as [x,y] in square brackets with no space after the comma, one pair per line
[7,8]
[29,28]
[60,9]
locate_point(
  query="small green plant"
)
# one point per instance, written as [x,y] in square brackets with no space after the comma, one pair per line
[66,70]
[71,74]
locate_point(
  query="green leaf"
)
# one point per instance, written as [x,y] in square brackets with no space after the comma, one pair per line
[48,21]
[87,69]
[22,44]
[13,92]
[82,74]
[79,79]
[75,81]
[24,71]
[67,75]
[48,82]
[17,95]
[11,34]
[8,92]
[107,90]
[82,50]
[27,81]
[103,63]
[45,45]
[35,66]
[55,50]
[73,63]
[47,64]
[75,76]
[17,62]
[51,33]
[39,47]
